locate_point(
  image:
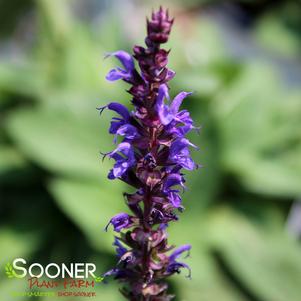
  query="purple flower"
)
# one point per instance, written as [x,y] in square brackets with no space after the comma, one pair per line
[121,126]
[173,179]
[120,249]
[169,113]
[173,194]
[182,125]
[124,73]
[119,222]
[175,199]
[170,75]
[112,272]
[180,155]
[174,266]
[124,157]
[178,252]
[128,131]
[116,122]
[150,157]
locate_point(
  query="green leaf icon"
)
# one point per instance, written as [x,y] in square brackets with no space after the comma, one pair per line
[98,279]
[9,271]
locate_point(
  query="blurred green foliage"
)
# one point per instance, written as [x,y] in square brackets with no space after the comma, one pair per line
[55,197]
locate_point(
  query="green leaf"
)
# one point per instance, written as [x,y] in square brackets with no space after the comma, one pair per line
[258,126]
[268,264]
[270,30]
[13,285]
[16,244]
[90,207]
[62,142]
[22,79]
[208,281]
[10,159]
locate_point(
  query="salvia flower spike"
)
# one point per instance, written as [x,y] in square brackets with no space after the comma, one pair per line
[150,156]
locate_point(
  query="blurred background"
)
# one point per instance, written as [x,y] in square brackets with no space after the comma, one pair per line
[241,58]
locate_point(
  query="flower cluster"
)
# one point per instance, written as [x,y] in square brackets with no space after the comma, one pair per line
[151,154]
